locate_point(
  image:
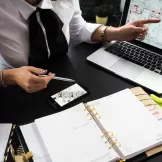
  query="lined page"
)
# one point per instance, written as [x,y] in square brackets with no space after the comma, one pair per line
[5,130]
[131,122]
[70,136]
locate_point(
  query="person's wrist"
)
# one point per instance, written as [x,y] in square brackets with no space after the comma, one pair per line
[9,77]
[112,33]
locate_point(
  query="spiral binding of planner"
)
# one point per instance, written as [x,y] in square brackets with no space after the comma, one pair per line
[108,135]
[91,111]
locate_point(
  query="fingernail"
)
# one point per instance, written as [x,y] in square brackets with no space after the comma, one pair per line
[51,73]
[44,71]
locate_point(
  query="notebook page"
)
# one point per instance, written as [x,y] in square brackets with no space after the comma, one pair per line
[160,121]
[34,143]
[5,130]
[70,136]
[132,124]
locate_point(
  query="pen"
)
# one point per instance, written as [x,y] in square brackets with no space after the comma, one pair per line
[60,78]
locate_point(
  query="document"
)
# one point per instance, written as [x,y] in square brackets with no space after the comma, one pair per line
[5,130]
[35,143]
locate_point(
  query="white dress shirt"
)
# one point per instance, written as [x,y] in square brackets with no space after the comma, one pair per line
[14,36]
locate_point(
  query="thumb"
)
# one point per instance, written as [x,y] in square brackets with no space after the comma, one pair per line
[50,76]
[138,29]
[37,71]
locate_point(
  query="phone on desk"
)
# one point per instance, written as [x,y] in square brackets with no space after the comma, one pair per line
[68,95]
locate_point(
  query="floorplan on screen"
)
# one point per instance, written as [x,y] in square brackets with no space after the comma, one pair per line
[148,9]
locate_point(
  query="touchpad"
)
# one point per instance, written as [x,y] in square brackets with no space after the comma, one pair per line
[127,69]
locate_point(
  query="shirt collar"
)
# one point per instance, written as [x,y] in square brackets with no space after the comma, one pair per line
[26,9]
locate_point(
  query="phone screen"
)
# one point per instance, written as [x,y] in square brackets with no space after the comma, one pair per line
[67,95]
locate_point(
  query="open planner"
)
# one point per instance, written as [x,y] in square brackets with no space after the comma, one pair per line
[114,128]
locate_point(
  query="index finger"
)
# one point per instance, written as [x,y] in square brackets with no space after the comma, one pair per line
[43,79]
[38,79]
[148,21]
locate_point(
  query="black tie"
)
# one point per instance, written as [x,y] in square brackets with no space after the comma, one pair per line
[47,41]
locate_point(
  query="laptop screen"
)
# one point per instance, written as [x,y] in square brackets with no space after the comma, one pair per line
[147,9]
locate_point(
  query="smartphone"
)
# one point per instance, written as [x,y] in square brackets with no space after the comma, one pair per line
[68,95]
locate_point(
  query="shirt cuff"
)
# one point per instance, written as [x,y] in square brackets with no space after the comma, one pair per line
[87,31]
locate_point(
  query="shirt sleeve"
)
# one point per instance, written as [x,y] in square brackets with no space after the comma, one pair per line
[80,30]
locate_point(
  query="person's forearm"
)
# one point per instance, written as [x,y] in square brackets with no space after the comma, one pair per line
[7,77]
[111,33]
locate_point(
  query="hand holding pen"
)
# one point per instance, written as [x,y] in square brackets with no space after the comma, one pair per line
[29,78]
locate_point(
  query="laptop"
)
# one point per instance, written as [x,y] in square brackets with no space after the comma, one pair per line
[137,61]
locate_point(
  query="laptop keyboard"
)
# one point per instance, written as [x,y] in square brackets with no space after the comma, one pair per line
[137,55]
